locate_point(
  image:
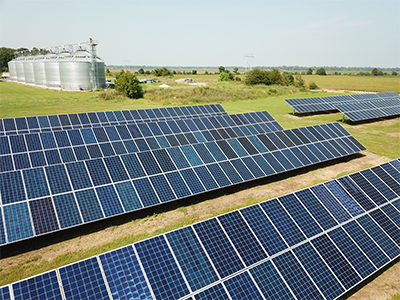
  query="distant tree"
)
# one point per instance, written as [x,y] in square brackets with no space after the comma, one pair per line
[6,54]
[128,83]
[206,73]
[275,77]
[376,72]
[394,73]
[309,72]
[194,72]
[257,76]
[174,72]
[141,71]
[221,69]
[321,71]
[299,81]
[236,70]
[226,76]
[147,72]
[289,79]
[162,72]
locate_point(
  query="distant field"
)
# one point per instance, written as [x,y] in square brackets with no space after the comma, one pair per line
[356,83]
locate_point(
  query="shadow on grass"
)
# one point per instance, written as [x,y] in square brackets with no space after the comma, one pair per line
[96,226]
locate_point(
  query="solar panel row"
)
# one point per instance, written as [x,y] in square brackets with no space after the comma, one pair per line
[25,151]
[315,104]
[366,110]
[316,243]
[21,125]
[40,200]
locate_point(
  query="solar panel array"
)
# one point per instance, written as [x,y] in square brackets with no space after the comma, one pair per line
[316,243]
[21,125]
[25,151]
[40,200]
[355,107]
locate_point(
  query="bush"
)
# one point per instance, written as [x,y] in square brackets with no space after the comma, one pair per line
[257,76]
[226,76]
[321,71]
[313,86]
[128,83]
[162,72]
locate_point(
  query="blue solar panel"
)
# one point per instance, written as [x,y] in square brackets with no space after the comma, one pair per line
[43,286]
[323,277]
[242,287]
[67,210]
[242,238]
[192,258]
[43,215]
[83,280]
[161,269]
[124,275]
[218,247]
[296,277]
[89,205]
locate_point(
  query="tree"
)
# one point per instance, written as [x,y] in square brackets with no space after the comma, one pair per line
[221,69]
[257,76]
[128,83]
[162,72]
[236,70]
[141,71]
[194,72]
[226,76]
[321,71]
[376,72]
[275,77]
[309,72]
[394,73]
[6,54]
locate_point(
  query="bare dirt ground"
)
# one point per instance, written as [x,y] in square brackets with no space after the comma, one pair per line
[210,207]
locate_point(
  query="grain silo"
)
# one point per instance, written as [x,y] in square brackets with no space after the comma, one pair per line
[82,70]
[19,63]
[52,70]
[39,70]
[28,69]
[12,67]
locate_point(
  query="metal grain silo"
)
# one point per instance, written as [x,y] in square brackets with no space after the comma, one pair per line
[28,69]
[52,70]
[19,64]
[100,74]
[75,71]
[82,71]
[39,70]
[12,67]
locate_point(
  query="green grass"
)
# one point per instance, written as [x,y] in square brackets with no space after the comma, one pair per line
[356,83]
[395,297]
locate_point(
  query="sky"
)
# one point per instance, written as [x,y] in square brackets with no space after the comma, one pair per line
[351,33]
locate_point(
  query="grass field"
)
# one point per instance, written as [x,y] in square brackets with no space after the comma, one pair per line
[380,137]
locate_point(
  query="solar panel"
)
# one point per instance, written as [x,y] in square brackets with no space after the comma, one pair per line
[21,125]
[48,148]
[155,176]
[356,107]
[317,243]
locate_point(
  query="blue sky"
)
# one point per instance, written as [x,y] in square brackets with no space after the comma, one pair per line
[351,33]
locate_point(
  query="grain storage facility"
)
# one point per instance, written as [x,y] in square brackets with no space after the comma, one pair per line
[65,70]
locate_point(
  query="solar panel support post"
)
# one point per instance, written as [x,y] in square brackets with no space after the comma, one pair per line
[342,117]
[293,111]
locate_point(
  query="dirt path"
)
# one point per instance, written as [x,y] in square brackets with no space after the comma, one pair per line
[197,212]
